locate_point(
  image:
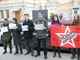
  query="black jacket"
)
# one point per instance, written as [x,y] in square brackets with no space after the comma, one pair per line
[29,33]
[16,34]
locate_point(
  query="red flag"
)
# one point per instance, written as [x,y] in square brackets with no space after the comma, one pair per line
[65,36]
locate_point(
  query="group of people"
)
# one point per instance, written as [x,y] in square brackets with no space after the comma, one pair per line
[30,39]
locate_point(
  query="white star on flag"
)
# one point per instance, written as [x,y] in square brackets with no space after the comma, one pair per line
[67,37]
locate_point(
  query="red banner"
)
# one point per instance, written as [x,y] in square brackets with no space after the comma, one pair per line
[65,36]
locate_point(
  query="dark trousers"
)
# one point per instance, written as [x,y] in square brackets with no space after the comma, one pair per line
[57,50]
[78,53]
[28,44]
[18,46]
[44,44]
[6,44]
[73,52]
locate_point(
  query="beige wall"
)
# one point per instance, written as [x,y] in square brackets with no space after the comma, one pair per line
[59,5]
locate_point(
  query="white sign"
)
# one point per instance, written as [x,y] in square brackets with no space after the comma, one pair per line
[12,26]
[39,27]
[4,29]
[24,27]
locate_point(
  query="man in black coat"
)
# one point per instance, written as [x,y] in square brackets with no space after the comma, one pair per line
[17,37]
[28,35]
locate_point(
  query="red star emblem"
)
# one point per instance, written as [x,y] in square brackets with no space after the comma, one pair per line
[67,37]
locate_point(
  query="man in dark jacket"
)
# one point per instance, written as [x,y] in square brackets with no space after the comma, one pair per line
[7,38]
[17,37]
[28,35]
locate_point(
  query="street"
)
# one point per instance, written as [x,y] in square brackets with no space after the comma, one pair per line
[29,57]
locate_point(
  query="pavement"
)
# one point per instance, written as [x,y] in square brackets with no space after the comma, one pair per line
[8,56]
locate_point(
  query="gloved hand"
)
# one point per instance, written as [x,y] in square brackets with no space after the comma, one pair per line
[34,33]
[21,33]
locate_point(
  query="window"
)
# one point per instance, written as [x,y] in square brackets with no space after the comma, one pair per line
[1,14]
[7,13]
